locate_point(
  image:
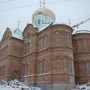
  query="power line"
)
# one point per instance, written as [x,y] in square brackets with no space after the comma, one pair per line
[31,5]
[6,1]
[62,1]
[23,6]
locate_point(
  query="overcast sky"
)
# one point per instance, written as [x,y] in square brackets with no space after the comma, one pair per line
[12,11]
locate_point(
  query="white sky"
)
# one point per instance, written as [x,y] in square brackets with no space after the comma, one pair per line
[12,11]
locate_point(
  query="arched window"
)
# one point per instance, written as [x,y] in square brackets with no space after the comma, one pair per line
[42,67]
[43,43]
[26,69]
[87,66]
[27,44]
[69,66]
[2,70]
[57,41]
[39,22]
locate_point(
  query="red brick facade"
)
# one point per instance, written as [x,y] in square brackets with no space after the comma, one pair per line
[81,44]
[51,59]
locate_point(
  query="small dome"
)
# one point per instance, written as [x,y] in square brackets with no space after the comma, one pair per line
[42,18]
[17,33]
[44,12]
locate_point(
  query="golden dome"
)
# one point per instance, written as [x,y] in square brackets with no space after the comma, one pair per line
[44,12]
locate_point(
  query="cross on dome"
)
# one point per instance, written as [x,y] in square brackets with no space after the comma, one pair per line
[42,3]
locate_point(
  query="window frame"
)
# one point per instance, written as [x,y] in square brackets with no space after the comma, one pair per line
[42,67]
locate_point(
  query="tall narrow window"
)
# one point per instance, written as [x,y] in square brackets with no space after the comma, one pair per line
[57,40]
[39,21]
[69,67]
[43,43]
[27,48]
[3,70]
[88,68]
[26,69]
[27,44]
[42,67]
[0,70]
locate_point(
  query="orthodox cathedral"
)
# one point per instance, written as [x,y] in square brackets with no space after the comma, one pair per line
[45,54]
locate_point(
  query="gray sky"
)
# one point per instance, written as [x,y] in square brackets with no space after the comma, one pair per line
[12,11]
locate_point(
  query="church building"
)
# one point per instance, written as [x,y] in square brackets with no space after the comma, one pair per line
[45,54]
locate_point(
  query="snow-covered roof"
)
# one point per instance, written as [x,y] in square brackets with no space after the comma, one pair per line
[82,31]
